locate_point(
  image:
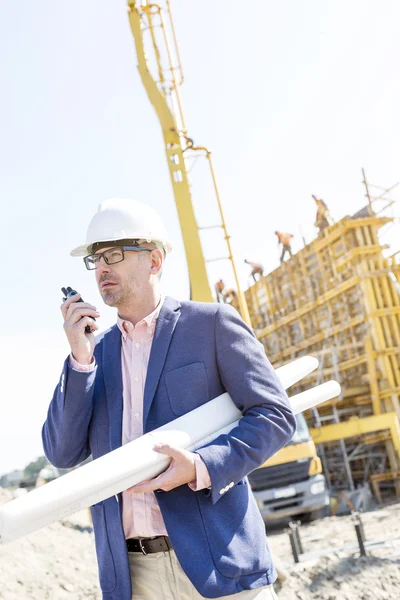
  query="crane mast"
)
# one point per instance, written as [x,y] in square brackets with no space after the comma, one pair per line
[150,25]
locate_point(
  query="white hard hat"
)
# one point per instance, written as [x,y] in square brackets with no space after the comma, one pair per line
[119,219]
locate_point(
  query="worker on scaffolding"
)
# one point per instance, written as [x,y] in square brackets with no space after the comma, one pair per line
[229,295]
[219,290]
[285,240]
[323,218]
[224,294]
[256,269]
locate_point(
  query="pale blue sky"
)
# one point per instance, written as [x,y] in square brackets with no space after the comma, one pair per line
[293,98]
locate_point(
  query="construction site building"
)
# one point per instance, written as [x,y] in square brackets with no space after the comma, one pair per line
[338,300]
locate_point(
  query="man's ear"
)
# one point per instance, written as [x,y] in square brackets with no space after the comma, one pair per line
[156,261]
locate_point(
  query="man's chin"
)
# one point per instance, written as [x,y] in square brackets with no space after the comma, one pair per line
[109,298]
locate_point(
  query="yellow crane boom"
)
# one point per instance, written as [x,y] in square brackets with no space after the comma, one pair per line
[148,19]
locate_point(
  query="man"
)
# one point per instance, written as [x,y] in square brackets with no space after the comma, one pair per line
[195,530]
[285,240]
[230,295]
[224,294]
[219,290]
[323,218]
[256,269]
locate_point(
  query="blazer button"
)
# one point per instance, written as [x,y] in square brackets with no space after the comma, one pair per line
[231,484]
[222,491]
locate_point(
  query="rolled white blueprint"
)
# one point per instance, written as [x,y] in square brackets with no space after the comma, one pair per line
[298,403]
[294,371]
[314,396]
[136,461]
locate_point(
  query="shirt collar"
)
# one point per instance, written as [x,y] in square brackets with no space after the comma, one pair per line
[150,320]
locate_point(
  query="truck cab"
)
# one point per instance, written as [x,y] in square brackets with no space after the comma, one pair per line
[291,482]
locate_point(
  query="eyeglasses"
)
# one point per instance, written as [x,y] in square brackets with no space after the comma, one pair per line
[111,256]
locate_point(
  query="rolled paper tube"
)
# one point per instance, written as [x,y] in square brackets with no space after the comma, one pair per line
[132,463]
[314,396]
[295,371]
[298,403]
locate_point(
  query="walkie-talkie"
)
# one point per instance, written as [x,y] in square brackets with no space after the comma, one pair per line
[68,292]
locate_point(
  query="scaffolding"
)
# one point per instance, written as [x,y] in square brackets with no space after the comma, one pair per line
[338,299]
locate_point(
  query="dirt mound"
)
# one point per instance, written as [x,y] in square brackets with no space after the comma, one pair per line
[347,578]
[5,495]
[54,563]
[332,567]
[59,562]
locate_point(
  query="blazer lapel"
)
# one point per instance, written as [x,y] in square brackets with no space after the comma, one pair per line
[165,326]
[112,372]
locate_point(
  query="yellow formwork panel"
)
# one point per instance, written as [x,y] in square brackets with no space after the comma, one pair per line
[309,301]
[338,299]
[356,427]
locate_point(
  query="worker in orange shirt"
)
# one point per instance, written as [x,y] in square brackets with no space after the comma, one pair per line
[223,293]
[285,240]
[323,218]
[219,290]
[256,269]
[229,295]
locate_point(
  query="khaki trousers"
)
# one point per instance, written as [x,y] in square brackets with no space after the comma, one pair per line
[159,576]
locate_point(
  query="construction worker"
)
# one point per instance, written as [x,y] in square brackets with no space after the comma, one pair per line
[194,531]
[229,295]
[223,293]
[284,239]
[323,218]
[219,289]
[257,269]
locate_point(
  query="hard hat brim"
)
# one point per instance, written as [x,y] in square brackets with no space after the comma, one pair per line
[85,249]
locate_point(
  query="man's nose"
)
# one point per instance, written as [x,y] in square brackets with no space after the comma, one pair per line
[102,267]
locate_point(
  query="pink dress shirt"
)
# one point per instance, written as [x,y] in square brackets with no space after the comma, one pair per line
[141,515]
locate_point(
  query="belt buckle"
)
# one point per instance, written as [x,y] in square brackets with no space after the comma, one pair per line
[142,547]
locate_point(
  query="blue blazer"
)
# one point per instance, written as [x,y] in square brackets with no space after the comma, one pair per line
[199,351]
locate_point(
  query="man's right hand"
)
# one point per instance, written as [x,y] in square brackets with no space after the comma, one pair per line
[77,315]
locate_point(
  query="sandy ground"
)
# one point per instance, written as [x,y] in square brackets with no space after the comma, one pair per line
[331,567]
[59,563]
[54,563]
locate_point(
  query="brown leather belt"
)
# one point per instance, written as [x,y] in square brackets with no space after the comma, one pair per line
[160,543]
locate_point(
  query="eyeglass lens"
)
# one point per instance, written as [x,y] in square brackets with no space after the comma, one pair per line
[111,256]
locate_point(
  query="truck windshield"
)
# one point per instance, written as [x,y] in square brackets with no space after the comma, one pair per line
[302,433]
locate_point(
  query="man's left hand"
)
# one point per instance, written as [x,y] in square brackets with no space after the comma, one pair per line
[181,470]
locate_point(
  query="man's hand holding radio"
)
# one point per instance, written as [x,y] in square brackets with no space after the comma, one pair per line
[78,315]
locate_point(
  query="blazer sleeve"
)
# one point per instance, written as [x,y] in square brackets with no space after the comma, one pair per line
[267,423]
[65,433]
